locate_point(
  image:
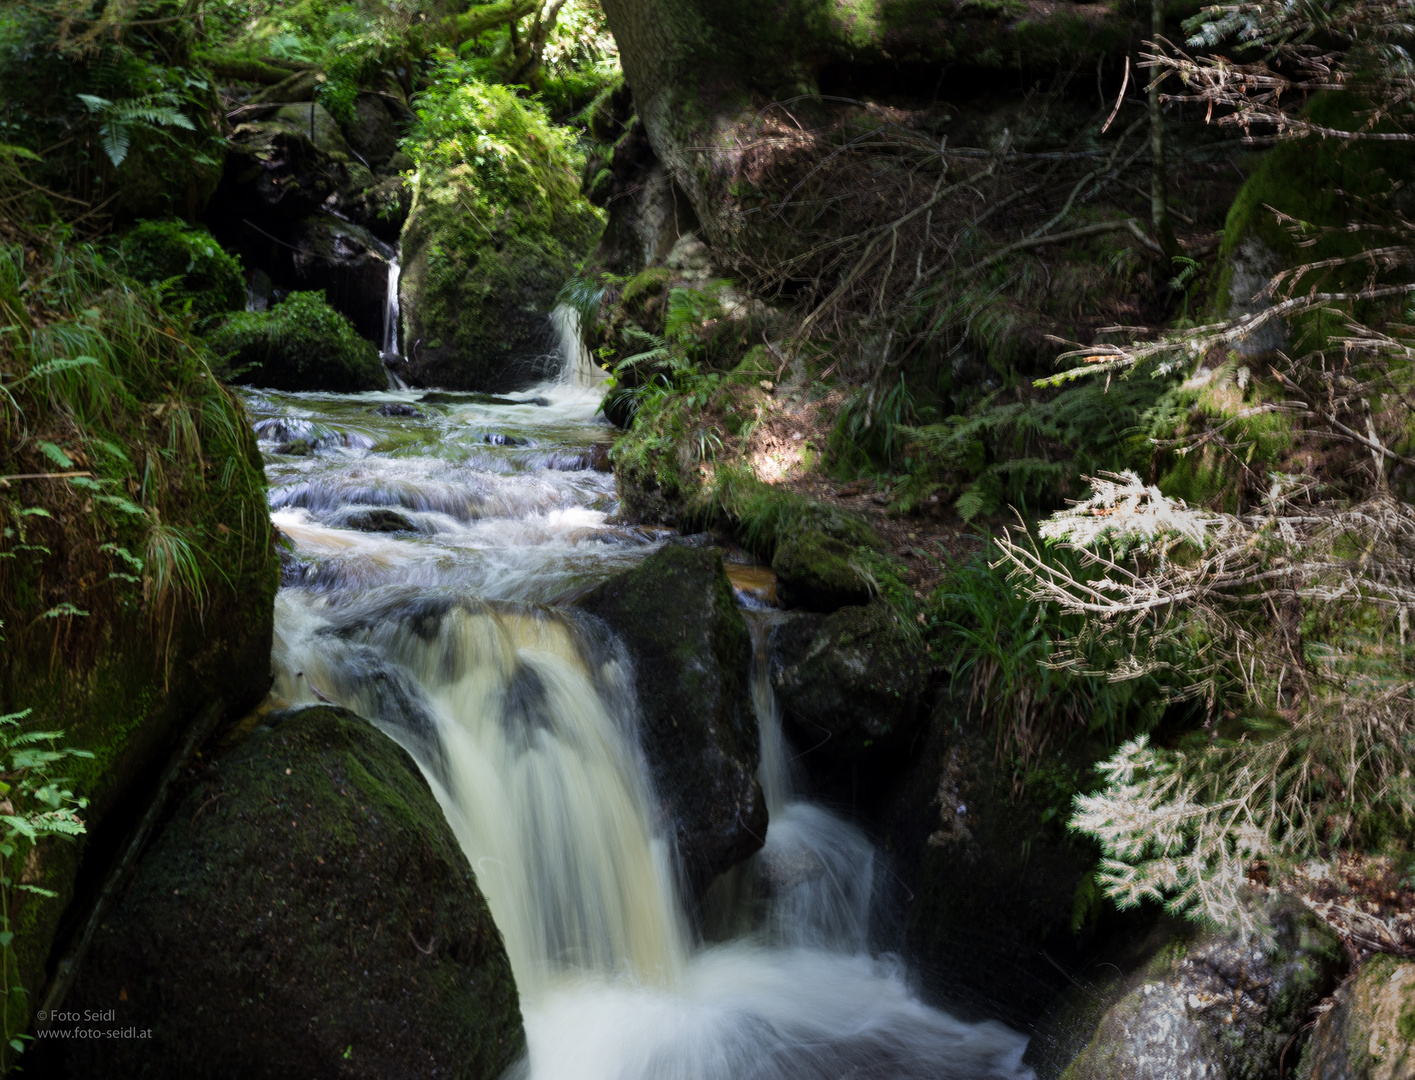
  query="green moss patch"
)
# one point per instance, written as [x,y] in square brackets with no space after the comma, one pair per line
[300,344]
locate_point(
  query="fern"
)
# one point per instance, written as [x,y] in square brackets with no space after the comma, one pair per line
[123,117]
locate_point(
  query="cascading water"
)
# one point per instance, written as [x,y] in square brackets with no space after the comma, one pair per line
[390,309]
[444,632]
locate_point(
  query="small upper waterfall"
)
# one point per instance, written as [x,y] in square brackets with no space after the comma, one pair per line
[522,716]
[577,365]
[389,345]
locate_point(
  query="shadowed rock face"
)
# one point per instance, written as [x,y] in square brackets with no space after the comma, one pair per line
[691,649]
[306,911]
[851,687]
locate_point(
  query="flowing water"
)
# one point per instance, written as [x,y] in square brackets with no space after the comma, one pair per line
[444,629]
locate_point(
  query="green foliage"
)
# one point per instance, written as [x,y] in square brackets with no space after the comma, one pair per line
[104,387]
[121,121]
[1015,655]
[1033,452]
[299,344]
[193,270]
[36,806]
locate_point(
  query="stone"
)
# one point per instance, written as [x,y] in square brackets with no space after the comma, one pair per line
[814,571]
[299,344]
[372,135]
[306,911]
[1217,1008]
[851,686]
[381,520]
[1369,1032]
[691,650]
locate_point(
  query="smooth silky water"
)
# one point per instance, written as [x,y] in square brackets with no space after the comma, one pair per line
[446,632]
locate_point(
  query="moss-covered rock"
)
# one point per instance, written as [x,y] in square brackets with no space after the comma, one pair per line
[1369,1033]
[201,273]
[496,226]
[1217,1006]
[677,617]
[818,572]
[300,344]
[851,687]
[1319,184]
[307,911]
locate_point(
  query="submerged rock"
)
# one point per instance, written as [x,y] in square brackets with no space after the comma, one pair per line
[851,687]
[394,408]
[307,911]
[691,650]
[1369,1033]
[1217,1008]
[381,520]
[814,571]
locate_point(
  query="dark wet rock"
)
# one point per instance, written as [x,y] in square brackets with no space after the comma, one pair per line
[378,203]
[395,408]
[987,873]
[346,262]
[373,134]
[306,911]
[814,571]
[498,438]
[691,651]
[693,540]
[300,344]
[1369,1033]
[295,448]
[380,520]
[1216,1007]
[851,687]
[472,397]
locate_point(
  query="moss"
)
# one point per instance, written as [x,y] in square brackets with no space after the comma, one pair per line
[200,273]
[496,227]
[300,344]
[1318,182]
[817,571]
[285,892]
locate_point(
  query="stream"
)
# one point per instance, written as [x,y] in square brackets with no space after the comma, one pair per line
[433,544]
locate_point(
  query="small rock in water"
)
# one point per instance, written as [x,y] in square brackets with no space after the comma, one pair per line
[383,521]
[496,438]
[295,448]
[396,408]
[448,397]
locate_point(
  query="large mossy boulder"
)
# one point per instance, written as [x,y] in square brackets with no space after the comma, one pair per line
[300,344]
[1369,1032]
[496,227]
[818,572]
[851,686]
[191,264]
[306,911]
[1217,1007]
[691,650]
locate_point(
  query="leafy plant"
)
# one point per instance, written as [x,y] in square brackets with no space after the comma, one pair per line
[35,806]
[120,120]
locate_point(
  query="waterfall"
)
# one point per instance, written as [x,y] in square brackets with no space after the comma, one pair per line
[577,366]
[522,716]
[390,310]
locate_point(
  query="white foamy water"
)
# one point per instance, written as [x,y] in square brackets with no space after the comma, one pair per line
[444,629]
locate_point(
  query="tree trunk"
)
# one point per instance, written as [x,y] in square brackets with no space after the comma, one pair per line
[1159,181]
